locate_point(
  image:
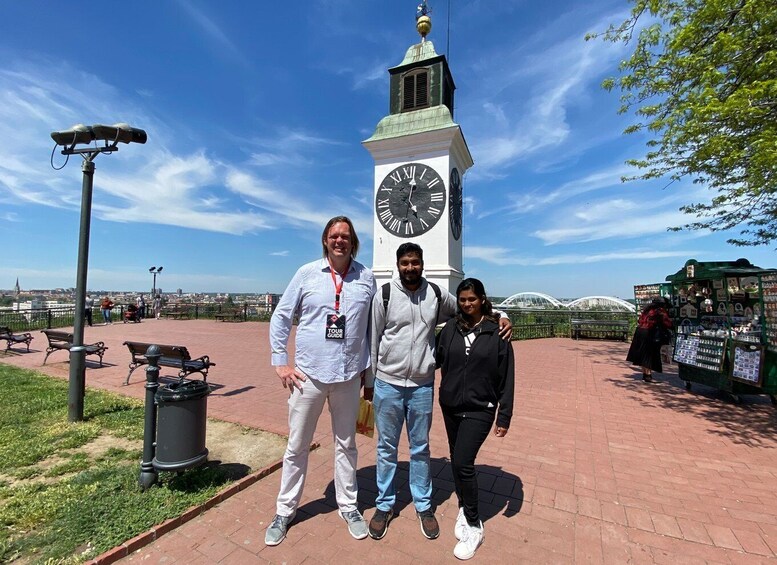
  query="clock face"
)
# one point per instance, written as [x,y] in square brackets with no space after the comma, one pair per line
[455,203]
[410,200]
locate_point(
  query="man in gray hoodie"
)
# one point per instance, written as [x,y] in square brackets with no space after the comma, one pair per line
[402,357]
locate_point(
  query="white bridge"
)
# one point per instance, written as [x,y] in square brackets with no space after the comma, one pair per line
[539,300]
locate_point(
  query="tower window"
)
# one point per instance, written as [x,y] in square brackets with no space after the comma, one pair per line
[415,90]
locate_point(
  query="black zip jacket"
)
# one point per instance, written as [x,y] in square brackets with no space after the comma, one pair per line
[474,384]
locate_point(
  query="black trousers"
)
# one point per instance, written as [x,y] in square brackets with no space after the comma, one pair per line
[465,436]
[88,314]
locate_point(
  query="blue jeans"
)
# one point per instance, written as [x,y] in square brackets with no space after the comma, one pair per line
[393,406]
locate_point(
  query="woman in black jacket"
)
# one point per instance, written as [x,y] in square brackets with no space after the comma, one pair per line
[478,375]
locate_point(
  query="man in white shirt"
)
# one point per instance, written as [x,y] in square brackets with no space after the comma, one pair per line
[332,298]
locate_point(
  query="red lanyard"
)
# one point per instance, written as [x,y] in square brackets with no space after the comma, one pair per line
[338,287]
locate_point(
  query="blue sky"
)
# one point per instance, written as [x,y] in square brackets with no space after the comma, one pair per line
[255,113]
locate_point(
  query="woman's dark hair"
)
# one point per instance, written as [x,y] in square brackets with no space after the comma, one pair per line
[655,303]
[354,237]
[477,287]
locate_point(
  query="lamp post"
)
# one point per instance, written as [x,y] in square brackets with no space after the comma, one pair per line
[68,139]
[154,271]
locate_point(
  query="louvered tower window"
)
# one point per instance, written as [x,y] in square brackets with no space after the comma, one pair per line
[415,90]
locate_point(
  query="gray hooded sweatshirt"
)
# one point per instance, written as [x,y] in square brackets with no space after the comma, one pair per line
[402,335]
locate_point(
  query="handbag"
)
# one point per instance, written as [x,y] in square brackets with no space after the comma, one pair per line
[662,335]
[365,421]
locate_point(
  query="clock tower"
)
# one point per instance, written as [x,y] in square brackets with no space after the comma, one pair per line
[420,159]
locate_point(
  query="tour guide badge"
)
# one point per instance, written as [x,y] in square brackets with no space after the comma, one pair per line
[335,326]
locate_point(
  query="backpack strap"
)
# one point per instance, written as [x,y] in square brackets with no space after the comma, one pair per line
[386,290]
[438,294]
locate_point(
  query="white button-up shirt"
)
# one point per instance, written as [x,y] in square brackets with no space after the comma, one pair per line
[311,296]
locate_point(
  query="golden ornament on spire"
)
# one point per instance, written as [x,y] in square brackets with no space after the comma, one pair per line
[423,23]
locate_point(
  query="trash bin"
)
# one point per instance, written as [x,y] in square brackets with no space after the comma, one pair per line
[181,419]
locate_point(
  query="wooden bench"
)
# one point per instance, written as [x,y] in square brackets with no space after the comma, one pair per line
[229,316]
[176,313]
[176,356]
[64,340]
[12,338]
[605,329]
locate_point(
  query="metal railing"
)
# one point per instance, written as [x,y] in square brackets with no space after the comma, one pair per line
[527,324]
[536,323]
[64,316]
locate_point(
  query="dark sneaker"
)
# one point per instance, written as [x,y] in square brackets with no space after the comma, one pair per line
[379,523]
[357,526]
[276,531]
[429,526]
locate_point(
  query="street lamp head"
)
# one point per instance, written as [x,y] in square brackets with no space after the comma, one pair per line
[119,133]
[151,270]
[159,270]
[79,133]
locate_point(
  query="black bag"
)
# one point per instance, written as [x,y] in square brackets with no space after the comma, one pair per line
[662,335]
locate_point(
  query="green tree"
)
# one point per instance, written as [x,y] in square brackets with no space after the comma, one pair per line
[702,82]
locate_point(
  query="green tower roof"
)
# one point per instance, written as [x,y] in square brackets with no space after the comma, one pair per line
[418,52]
[427,119]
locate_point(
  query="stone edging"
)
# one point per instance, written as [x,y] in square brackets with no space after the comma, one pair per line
[144,539]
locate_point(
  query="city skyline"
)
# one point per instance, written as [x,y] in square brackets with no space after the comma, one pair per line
[255,116]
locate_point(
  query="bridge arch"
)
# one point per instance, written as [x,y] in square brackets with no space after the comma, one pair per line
[530,300]
[609,303]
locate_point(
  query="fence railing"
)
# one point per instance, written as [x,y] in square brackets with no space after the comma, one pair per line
[537,323]
[527,324]
[64,316]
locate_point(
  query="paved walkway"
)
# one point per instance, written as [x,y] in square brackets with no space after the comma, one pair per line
[597,467]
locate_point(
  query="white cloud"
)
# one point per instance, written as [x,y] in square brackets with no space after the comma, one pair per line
[284,253]
[503,256]
[525,111]
[214,32]
[145,184]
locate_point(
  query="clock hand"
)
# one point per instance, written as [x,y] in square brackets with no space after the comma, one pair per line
[411,206]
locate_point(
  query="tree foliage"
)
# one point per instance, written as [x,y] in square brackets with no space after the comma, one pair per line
[702,82]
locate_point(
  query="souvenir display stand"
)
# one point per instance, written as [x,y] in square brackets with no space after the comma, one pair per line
[725,318]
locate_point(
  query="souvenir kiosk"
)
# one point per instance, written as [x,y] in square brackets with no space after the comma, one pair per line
[725,317]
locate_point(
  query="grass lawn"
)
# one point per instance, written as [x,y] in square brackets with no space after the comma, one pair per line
[69,491]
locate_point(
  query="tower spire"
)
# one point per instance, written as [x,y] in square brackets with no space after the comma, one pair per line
[423,23]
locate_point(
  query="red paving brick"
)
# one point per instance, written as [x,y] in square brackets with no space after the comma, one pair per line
[598,467]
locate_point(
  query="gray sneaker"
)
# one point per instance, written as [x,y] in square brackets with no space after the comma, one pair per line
[357,525]
[276,531]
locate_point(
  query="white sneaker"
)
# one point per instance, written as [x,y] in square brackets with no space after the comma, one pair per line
[472,537]
[461,521]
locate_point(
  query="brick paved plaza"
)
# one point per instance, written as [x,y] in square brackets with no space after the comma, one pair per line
[598,467]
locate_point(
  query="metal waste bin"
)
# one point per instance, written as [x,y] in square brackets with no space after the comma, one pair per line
[182,415]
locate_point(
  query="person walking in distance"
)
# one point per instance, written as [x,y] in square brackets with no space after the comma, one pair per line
[141,304]
[404,317]
[106,305]
[476,388]
[88,305]
[331,297]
